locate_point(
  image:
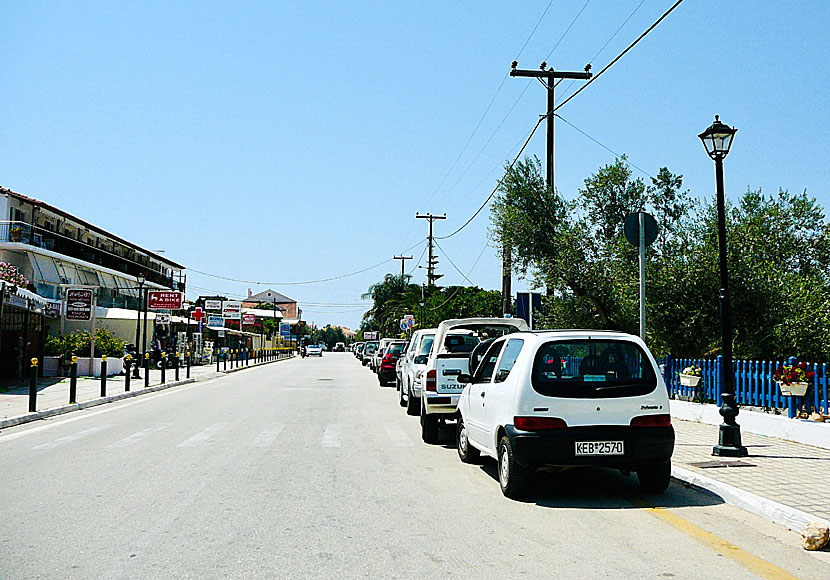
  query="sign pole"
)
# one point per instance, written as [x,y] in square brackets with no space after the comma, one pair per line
[642,224]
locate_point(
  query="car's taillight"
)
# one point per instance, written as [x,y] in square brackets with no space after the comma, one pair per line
[388,358]
[537,423]
[663,420]
[431,383]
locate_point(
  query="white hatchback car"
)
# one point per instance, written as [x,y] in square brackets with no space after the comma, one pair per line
[567,398]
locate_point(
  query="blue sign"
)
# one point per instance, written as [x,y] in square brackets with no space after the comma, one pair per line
[216,321]
[285,329]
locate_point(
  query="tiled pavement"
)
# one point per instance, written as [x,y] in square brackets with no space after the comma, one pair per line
[793,474]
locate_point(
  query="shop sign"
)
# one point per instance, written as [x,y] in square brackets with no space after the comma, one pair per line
[162,318]
[216,321]
[232,310]
[52,310]
[214,305]
[248,319]
[285,329]
[164,300]
[78,304]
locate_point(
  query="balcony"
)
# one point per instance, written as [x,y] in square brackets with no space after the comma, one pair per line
[131,263]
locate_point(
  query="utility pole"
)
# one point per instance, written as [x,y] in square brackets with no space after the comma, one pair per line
[403,260]
[547,77]
[433,261]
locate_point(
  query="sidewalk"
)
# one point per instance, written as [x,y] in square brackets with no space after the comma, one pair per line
[785,482]
[53,393]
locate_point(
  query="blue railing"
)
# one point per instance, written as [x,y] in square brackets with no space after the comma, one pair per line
[754,384]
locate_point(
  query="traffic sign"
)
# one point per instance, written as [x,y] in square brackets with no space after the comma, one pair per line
[632,228]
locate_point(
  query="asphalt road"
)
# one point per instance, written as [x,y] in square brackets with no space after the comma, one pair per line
[309,469]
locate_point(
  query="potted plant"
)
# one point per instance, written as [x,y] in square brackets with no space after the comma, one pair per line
[793,380]
[16,233]
[691,376]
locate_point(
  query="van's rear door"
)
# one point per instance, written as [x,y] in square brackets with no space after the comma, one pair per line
[447,371]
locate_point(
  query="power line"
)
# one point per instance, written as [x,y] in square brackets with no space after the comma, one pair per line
[463,275]
[643,171]
[566,31]
[481,253]
[495,189]
[300,283]
[619,56]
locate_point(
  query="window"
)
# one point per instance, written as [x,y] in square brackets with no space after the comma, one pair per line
[592,369]
[426,344]
[488,364]
[395,348]
[508,359]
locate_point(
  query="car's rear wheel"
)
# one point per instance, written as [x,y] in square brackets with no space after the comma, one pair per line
[429,427]
[513,477]
[655,477]
[413,404]
[466,452]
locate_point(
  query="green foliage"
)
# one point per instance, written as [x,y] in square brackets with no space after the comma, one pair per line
[778,262]
[328,335]
[78,343]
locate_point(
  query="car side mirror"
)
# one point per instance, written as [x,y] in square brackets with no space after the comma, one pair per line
[421,359]
[464,378]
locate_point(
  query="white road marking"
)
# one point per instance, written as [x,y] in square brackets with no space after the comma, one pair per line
[136,437]
[266,438]
[203,435]
[397,435]
[332,436]
[70,438]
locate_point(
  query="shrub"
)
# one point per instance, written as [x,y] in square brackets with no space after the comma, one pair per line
[77,343]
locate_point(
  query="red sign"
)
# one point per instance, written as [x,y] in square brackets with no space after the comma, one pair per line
[197,314]
[164,300]
[248,319]
[78,304]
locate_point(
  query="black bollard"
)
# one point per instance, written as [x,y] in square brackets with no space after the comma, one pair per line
[246,357]
[217,360]
[225,360]
[33,387]
[127,359]
[146,369]
[103,376]
[163,365]
[176,363]
[73,380]
[188,365]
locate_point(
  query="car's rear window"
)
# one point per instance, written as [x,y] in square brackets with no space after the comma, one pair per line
[395,348]
[592,369]
[426,344]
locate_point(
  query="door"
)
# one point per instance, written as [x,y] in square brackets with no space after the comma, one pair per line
[479,387]
[500,395]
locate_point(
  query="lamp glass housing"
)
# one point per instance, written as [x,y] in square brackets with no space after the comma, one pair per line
[717,139]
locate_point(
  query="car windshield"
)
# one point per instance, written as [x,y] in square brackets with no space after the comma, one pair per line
[592,369]
[460,342]
[370,347]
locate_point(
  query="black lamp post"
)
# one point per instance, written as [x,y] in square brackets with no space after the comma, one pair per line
[140,280]
[717,140]
[421,306]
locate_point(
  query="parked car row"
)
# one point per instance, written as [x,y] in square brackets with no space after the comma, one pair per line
[556,399]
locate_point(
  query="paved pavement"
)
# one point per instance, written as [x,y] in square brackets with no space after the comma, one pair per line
[785,482]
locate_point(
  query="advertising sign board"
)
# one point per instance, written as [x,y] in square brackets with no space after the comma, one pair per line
[214,305]
[232,310]
[164,300]
[285,330]
[78,304]
[216,321]
[162,318]
[370,335]
[248,319]
[53,309]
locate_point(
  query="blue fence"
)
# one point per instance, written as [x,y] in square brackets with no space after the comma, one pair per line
[754,384]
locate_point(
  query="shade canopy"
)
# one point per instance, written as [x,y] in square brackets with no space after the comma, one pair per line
[717,139]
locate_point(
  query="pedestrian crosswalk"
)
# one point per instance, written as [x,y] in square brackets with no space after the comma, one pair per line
[327,436]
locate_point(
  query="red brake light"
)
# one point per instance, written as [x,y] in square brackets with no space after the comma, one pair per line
[663,420]
[431,383]
[537,423]
[388,358]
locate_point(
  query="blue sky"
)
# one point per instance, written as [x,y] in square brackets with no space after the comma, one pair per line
[293,141]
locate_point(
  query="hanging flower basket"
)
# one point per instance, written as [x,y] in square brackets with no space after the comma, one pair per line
[690,380]
[793,389]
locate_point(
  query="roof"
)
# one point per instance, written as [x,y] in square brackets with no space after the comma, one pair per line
[87,225]
[269,296]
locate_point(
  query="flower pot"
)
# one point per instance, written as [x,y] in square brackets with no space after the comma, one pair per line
[51,366]
[690,380]
[793,389]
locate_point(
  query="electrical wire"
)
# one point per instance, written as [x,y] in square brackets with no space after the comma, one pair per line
[301,283]
[418,263]
[619,56]
[463,275]
[567,30]
[495,189]
[643,171]
[451,296]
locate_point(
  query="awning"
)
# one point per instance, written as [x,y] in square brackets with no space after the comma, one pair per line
[23,293]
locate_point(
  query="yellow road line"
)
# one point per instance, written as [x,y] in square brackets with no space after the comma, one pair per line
[754,564]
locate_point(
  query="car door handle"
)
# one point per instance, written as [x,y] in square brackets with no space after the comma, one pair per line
[482,394]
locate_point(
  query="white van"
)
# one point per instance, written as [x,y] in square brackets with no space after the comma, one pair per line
[567,398]
[449,357]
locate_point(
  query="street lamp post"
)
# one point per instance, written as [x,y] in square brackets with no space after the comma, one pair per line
[140,280]
[717,140]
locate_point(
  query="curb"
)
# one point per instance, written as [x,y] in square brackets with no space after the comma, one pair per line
[773,511]
[37,415]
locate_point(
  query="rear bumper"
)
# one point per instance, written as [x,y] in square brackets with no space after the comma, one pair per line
[441,403]
[387,375]
[557,447]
